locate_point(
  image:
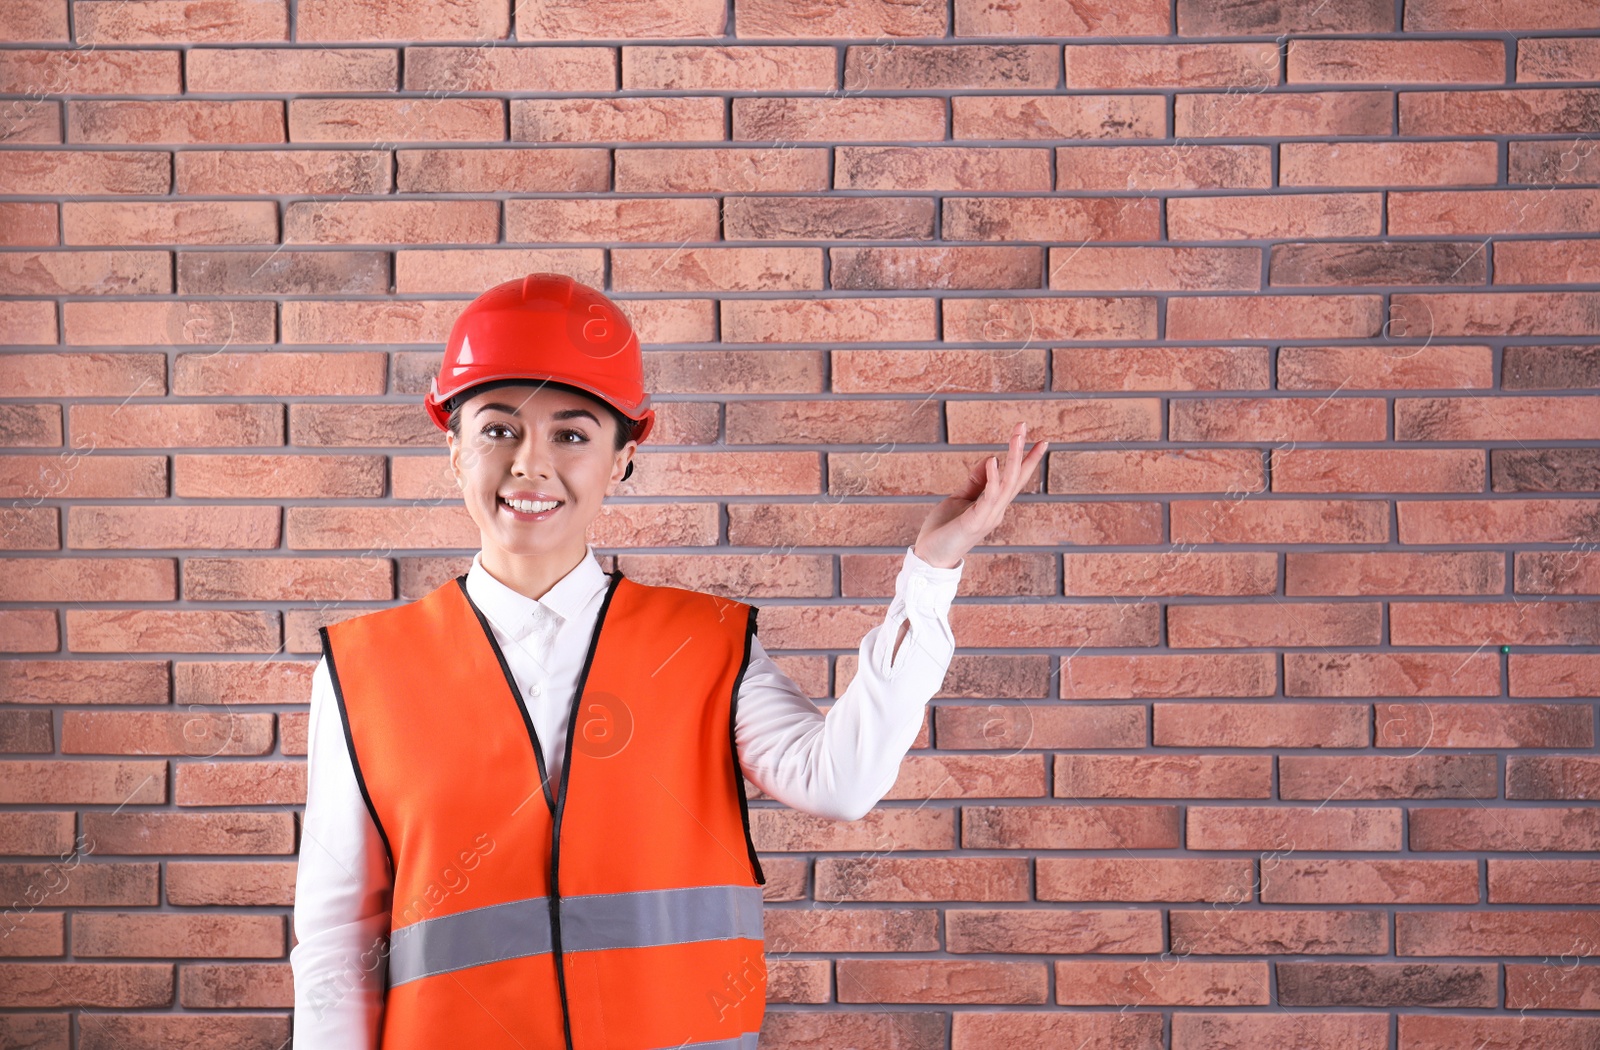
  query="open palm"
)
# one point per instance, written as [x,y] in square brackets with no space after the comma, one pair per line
[960,522]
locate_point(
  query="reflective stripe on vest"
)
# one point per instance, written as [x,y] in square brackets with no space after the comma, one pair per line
[515,929]
[619,907]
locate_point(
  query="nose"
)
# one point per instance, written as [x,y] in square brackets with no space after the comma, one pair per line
[533,457]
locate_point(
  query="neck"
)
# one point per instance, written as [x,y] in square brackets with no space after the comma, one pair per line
[531,575]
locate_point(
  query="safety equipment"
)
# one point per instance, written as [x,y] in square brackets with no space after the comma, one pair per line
[545,326]
[621,911]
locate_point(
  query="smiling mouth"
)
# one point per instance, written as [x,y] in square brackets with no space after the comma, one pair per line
[527,515]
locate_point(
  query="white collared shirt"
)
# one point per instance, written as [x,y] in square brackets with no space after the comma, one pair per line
[837,766]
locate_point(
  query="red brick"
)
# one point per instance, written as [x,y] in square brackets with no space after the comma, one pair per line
[28,426]
[388,222]
[84,171]
[496,170]
[170,323]
[1289,828]
[30,20]
[29,631]
[827,217]
[29,223]
[393,120]
[1105,826]
[281,172]
[939,981]
[838,119]
[757,67]
[1544,881]
[720,169]
[117,527]
[511,67]
[1557,261]
[28,323]
[64,782]
[1262,725]
[1273,624]
[1251,67]
[87,273]
[1497,521]
[1498,15]
[1397,572]
[961,371]
[1435,725]
[246,681]
[280,272]
[1100,419]
[1274,317]
[1520,111]
[716,269]
[158,833]
[1551,776]
[1387,776]
[1558,58]
[159,630]
[830,422]
[169,426]
[89,72]
[190,733]
[1031,319]
[176,222]
[80,984]
[32,120]
[1042,18]
[925,67]
[335,20]
[1289,113]
[1547,210]
[235,985]
[1397,61]
[1278,419]
[1481,932]
[292,70]
[1195,983]
[647,119]
[1038,930]
[1201,18]
[1162,368]
[1383,164]
[1292,880]
[471,270]
[1295,933]
[239,883]
[1530,313]
[1543,828]
[233,783]
[279,374]
[773,18]
[179,21]
[1178,269]
[395,321]
[611,19]
[206,935]
[1154,470]
[1198,1030]
[954,168]
[826,320]
[88,579]
[1429,366]
[1378,470]
[175,121]
[287,579]
[603,221]
[1162,776]
[1390,674]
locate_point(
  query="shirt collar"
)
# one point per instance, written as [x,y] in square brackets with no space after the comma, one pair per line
[514,613]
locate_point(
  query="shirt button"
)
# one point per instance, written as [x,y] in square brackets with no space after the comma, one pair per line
[535,689]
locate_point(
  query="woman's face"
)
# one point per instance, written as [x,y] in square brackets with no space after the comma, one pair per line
[540,444]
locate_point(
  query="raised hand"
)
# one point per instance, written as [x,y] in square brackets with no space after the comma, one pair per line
[960,522]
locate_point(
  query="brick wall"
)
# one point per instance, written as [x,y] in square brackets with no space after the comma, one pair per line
[1273,721]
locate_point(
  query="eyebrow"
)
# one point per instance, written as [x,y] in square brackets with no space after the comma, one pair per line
[565,413]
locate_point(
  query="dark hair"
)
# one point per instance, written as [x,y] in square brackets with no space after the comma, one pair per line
[624,426]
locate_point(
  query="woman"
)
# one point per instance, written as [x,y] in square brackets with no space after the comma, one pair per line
[526,823]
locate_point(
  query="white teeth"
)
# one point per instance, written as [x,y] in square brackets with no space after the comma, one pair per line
[531,506]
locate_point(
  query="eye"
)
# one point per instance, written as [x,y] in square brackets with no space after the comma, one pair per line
[580,435]
[498,426]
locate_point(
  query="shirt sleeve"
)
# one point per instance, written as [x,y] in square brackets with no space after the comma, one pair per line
[342,895]
[841,764]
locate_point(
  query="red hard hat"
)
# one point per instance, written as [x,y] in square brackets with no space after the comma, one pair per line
[545,326]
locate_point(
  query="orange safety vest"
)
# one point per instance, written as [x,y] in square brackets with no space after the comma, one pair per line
[620,912]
